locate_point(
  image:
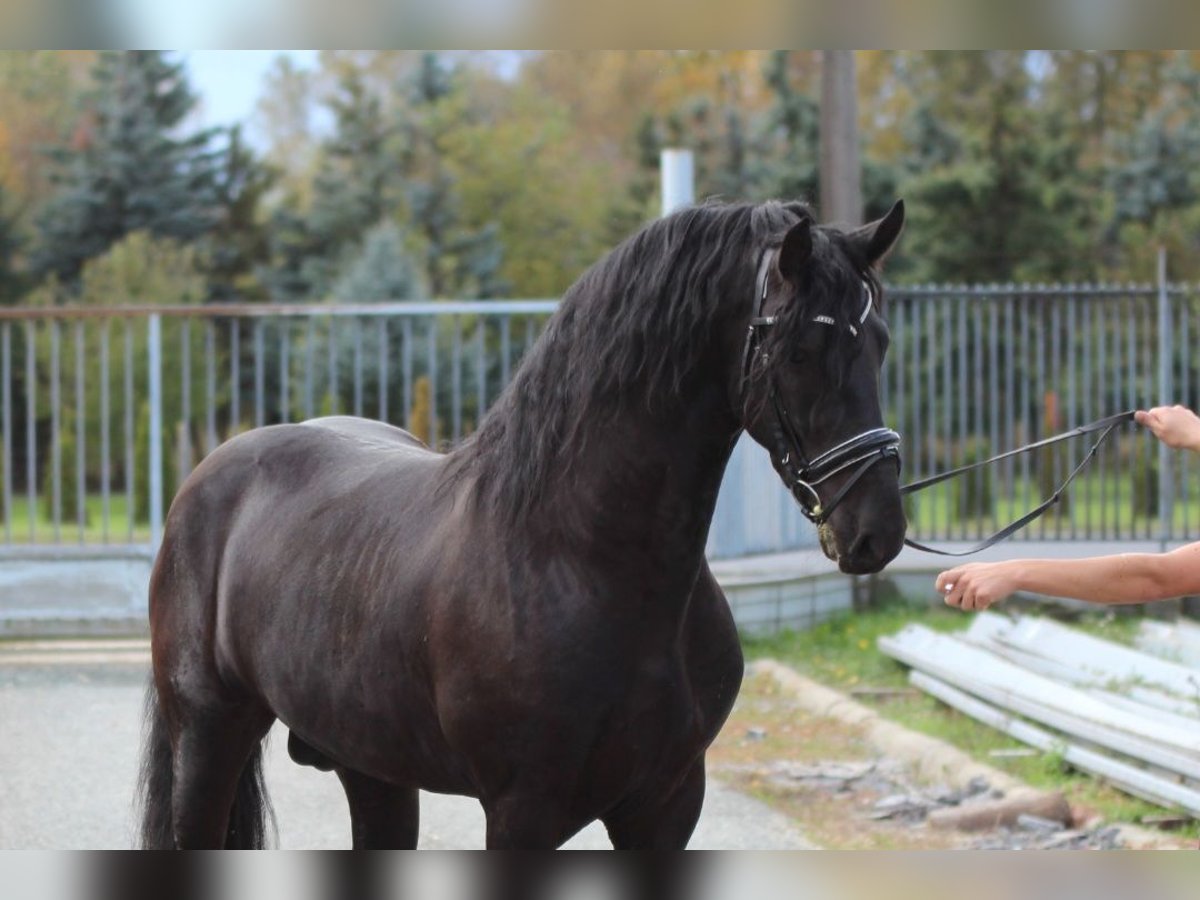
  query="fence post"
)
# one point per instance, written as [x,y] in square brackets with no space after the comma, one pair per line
[1166,495]
[155,480]
[678,180]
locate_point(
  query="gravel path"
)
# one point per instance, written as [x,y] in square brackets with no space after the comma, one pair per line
[70,719]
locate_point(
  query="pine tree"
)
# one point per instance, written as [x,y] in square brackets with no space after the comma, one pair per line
[458,260]
[383,270]
[11,282]
[238,248]
[129,169]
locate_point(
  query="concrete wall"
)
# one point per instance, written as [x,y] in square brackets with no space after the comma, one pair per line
[74,591]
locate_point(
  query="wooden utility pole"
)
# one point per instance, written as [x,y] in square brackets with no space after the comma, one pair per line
[841,169]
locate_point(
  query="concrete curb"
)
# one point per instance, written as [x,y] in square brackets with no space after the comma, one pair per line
[932,760]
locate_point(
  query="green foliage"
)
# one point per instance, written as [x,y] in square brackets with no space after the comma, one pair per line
[11,281]
[129,169]
[382,270]
[142,469]
[973,492]
[69,490]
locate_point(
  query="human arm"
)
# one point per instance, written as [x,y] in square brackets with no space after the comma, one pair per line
[1175,426]
[1116,579]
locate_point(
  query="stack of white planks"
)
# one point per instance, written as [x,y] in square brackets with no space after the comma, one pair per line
[1125,715]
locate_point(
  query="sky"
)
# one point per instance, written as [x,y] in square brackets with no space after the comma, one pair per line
[230,81]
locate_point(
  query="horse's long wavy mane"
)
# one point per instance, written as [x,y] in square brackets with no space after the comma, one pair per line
[632,330]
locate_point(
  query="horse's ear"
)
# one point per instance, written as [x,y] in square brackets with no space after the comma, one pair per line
[796,250]
[877,238]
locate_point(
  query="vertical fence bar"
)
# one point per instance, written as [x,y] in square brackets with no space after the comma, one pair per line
[993,428]
[260,375]
[154,377]
[6,412]
[381,325]
[55,432]
[1045,429]
[310,367]
[935,459]
[1112,392]
[1025,306]
[31,426]
[105,436]
[431,356]
[456,379]
[1010,396]
[912,345]
[1166,487]
[184,426]
[210,386]
[504,349]
[235,376]
[963,380]
[1184,391]
[1055,382]
[977,418]
[1131,386]
[1070,343]
[285,370]
[948,456]
[1086,399]
[331,379]
[80,435]
[130,506]
[480,371]
[358,366]
[407,362]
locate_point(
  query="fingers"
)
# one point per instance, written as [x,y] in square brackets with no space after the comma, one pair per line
[961,588]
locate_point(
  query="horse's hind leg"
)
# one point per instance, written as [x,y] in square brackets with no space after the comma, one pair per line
[382,816]
[216,758]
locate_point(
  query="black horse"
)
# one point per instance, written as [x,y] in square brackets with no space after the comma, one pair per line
[528,619]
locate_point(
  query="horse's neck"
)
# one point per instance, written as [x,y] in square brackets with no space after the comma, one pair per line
[645,492]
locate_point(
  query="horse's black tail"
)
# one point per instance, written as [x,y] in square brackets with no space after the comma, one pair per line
[252,816]
[155,779]
[251,812]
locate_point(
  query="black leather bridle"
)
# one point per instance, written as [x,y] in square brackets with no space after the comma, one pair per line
[800,474]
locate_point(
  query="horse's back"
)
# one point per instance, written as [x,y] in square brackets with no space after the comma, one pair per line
[370,430]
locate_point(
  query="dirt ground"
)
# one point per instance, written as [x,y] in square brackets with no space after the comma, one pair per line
[846,794]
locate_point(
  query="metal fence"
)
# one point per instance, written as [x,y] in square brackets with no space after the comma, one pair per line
[104,411]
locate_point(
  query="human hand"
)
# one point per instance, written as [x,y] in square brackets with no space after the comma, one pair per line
[1176,426]
[976,586]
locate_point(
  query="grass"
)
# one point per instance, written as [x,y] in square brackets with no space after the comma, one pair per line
[1097,506]
[68,531]
[842,654]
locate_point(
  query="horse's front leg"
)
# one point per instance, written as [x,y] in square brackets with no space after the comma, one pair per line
[382,816]
[531,819]
[663,825]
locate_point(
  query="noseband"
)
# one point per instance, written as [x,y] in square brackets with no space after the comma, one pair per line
[800,474]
